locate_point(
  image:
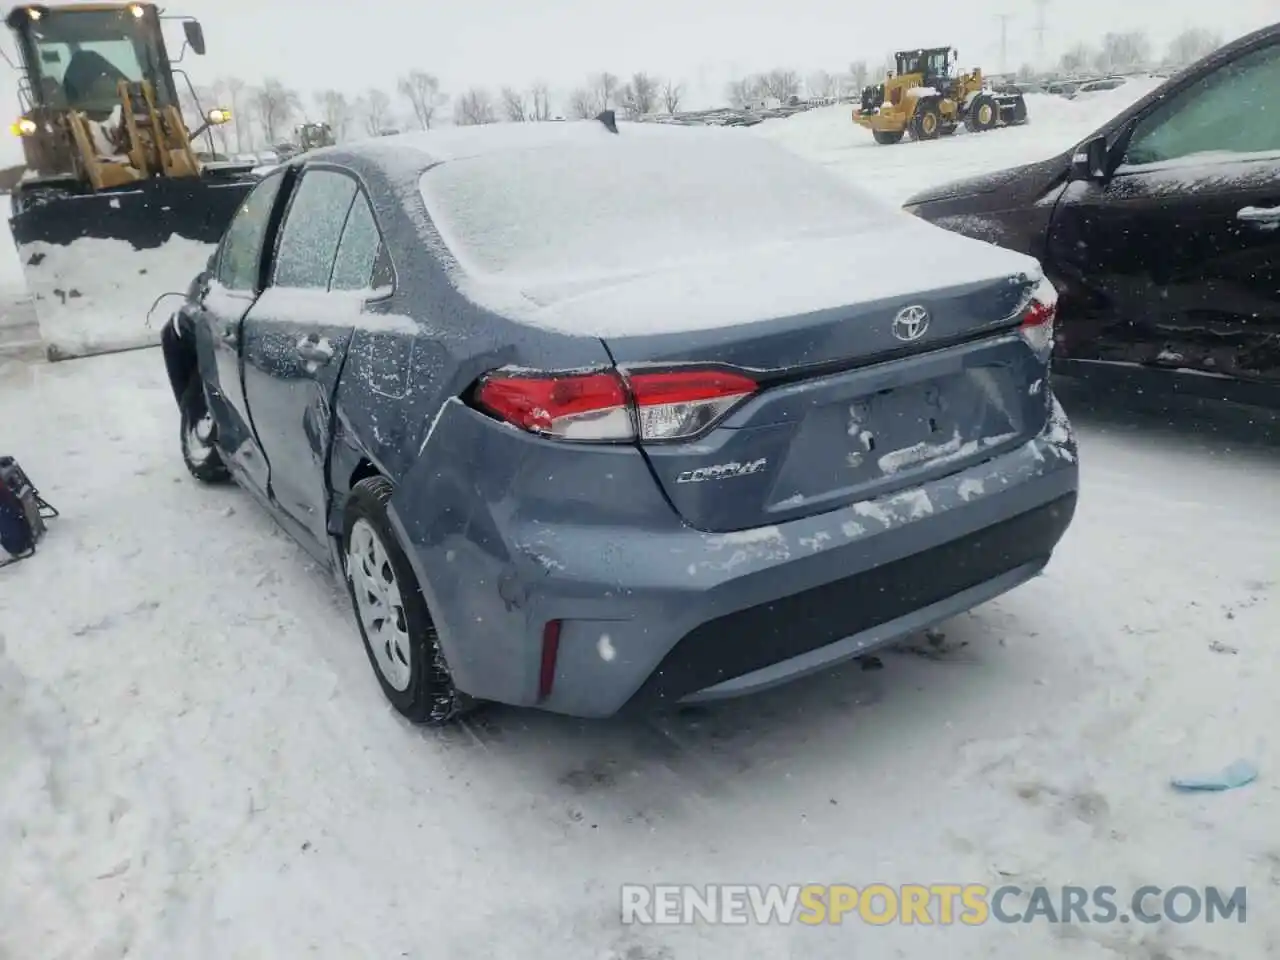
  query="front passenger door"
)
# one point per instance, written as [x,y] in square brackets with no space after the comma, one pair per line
[236,281]
[296,338]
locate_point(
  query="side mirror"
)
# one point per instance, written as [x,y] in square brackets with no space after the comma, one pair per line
[195,36]
[1090,160]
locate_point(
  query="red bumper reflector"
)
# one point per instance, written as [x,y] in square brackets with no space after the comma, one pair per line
[550,650]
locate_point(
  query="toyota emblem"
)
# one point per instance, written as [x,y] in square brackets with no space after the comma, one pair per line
[911,323]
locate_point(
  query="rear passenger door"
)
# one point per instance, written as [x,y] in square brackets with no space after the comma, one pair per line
[295,343]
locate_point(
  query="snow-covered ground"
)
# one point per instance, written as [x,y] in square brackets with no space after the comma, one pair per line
[196,760]
[829,136]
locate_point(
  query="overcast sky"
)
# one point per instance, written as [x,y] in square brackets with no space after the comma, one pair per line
[313,44]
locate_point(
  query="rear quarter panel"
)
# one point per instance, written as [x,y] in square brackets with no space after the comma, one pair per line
[395,383]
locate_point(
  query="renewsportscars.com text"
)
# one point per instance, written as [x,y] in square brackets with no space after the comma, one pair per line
[927,904]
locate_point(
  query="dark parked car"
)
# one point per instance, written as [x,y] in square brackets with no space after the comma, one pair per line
[1161,231]
[583,430]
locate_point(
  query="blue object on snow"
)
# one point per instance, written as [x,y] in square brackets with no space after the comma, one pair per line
[1238,774]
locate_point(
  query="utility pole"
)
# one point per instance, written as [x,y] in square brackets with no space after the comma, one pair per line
[1004,19]
[1042,7]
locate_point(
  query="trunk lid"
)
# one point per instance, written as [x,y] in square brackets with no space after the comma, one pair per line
[847,410]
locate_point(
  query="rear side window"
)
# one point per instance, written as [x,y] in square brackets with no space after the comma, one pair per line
[241,253]
[1227,111]
[312,228]
[358,249]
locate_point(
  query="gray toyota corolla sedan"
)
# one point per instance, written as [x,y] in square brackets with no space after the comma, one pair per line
[593,415]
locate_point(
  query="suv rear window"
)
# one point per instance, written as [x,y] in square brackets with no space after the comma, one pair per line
[644,198]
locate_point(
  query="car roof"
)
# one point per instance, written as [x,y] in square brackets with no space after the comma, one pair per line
[414,152]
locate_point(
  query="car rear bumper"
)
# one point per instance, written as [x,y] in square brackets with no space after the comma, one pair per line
[652,617]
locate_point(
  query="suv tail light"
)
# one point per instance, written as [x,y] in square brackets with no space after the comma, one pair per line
[1037,319]
[610,406]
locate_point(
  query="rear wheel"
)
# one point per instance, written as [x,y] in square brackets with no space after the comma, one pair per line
[983,114]
[396,626]
[888,137]
[199,435]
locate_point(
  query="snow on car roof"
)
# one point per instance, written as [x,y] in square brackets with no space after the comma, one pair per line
[453,143]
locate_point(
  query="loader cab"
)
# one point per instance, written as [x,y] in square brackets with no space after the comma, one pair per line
[932,63]
[75,57]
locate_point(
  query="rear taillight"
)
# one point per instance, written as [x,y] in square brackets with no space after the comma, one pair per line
[610,406]
[1037,319]
[592,406]
[684,403]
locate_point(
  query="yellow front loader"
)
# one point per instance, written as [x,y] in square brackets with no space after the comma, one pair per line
[115,208]
[926,97]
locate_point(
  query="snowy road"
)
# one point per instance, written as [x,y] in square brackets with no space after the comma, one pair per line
[196,761]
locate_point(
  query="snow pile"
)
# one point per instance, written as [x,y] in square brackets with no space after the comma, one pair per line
[829,137]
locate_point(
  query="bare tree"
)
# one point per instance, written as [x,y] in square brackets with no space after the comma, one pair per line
[821,84]
[474,108]
[1190,45]
[605,87]
[422,90]
[741,92]
[859,74]
[781,83]
[1026,72]
[375,106]
[336,110]
[639,96]
[514,107]
[541,101]
[234,87]
[1077,59]
[274,104]
[583,104]
[672,92]
[1123,51]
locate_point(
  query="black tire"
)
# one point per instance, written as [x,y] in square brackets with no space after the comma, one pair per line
[983,115]
[888,137]
[927,123]
[1019,112]
[198,435]
[430,696]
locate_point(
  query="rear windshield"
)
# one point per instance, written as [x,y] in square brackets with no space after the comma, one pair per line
[612,207]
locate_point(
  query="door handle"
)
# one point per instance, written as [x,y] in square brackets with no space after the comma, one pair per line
[1259,214]
[314,350]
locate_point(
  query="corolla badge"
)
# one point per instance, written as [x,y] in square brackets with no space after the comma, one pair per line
[722,471]
[910,323]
